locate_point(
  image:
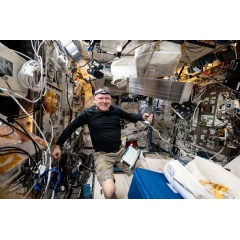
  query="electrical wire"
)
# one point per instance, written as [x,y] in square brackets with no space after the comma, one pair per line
[91,169]
[40,131]
[231,158]
[20,96]
[27,75]
[132,50]
[23,116]
[22,54]
[84,64]
[8,133]
[193,115]
[204,90]
[56,184]
[30,189]
[29,80]
[187,55]
[235,50]
[33,141]
[170,151]
[16,150]
[23,132]
[49,176]
[190,50]
[149,136]
[236,116]
[167,141]
[6,83]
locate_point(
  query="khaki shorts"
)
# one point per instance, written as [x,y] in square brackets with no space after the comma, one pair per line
[105,162]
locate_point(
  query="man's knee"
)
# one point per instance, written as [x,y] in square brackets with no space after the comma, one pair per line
[108,187]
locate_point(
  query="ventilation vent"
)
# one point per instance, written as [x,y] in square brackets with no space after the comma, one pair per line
[161,89]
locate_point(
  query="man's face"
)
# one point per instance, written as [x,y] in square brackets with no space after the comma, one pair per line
[102,102]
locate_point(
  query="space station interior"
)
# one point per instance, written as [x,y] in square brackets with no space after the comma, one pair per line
[190,150]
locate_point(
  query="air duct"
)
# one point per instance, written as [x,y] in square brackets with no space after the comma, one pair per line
[161,88]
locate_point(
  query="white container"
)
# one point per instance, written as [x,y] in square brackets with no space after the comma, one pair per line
[153,161]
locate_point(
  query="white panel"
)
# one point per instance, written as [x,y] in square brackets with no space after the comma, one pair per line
[15,63]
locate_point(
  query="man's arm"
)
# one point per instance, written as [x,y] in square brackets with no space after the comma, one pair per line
[76,123]
[133,117]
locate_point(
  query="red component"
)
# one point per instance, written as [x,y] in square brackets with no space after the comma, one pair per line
[134,143]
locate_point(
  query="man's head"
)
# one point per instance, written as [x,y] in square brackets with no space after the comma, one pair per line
[102,99]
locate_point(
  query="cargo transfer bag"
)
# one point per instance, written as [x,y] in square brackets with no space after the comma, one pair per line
[202,178]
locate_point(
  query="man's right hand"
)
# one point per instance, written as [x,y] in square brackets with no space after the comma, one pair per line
[148,118]
[56,153]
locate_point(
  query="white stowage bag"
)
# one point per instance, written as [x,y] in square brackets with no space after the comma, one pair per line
[202,178]
[183,181]
[121,70]
[150,62]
